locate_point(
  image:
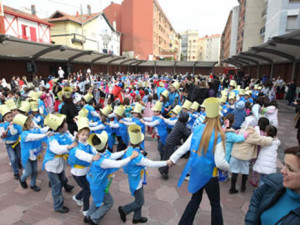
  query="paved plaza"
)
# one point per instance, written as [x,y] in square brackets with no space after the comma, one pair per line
[164,202]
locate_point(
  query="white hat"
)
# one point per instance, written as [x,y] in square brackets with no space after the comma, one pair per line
[120,110]
[106,110]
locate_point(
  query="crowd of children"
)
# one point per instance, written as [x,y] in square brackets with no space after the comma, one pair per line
[133,103]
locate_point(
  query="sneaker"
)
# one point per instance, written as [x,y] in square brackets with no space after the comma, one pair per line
[17,176]
[85,212]
[68,187]
[35,188]
[23,184]
[233,191]
[141,220]
[243,189]
[187,177]
[122,214]
[64,209]
[78,202]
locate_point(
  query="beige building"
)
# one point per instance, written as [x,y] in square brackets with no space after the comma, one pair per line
[209,47]
[190,45]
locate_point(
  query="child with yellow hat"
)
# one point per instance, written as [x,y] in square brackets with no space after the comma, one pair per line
[173,119]
[164,96]
[37,117]
[193,114]
[80,159]
[174,98]
[10,134]
[59,145]
[136,173]
[31,145]
[92,115]
[100,176]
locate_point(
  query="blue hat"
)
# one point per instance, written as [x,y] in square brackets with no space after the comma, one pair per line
[240,105]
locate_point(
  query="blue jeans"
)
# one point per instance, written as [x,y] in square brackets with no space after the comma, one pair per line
[30,169]
[14,155]
[262,179]
[212,189]
[97,213]
[57,181]
[160,147]
[85,193]
[136,205]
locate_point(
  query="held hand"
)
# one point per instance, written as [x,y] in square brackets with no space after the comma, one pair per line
[142,121]
[49,134]
[121,121]
[170,163]
[134,155]
[96,157]
[74,144]
[250,131]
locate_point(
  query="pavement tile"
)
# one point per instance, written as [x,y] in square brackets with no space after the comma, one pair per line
[49,220]
[162,212]
[11,214]
[166,194]
[5,177]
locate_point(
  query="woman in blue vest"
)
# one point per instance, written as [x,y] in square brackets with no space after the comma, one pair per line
[100,177]
[59,145]
[207,153]
[80,159]
[136,175]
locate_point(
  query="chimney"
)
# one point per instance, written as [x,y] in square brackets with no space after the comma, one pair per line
[89,10]
[33,10]
[115,25]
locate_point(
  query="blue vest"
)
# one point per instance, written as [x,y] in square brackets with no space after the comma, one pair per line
[142,125]
[109,132]
[62,139]
[98,179]
[225,110]
[172,97]
[29,145]
[132,170]
[73,160]
[10,137]
[172,118]
[42,105]
[121,131]
[60,106]
[255,94]
[160,90]
[192,120]
[201,166]
[90,116]
[36,118]
[161,129]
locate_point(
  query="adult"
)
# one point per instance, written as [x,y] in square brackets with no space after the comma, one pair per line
[200,93]
[190,87]
[278,200]
[13,83]
[61,74]
[268,90]
[207,153]
[291,92]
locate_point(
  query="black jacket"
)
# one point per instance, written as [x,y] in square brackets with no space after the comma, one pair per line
[199,94]
[265,197]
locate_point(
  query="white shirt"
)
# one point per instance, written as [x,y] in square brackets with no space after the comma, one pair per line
[61,73]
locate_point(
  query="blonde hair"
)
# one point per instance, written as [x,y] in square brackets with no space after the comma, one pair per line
[211,124]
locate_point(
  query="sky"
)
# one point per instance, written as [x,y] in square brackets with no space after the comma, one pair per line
[206,16]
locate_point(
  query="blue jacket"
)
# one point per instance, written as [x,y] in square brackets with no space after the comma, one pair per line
[265,197]
[239,117]
[231,138]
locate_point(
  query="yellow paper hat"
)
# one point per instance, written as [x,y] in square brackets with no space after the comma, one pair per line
[177,109]
[255,86]
[165,93]
[39,94]
[60,95]
[195,106]
[161,84]
[106,110]
[232,83]
[187,105]
[25,106]
[232,95]
[30,94]
[176,85]
[238,87]
[241,92]
[224,93]
[20,119]
[11,104]
[53,121]
[34,106]
[212,107]
[4,109]
[103,137]
[223,99]
[88,97]
[83,112]
[259,88]
[55,80]
[120,110]
[247,88]
[82,123]
[157,106]
[67,92]
[135,134]
[249,92]
[138,108]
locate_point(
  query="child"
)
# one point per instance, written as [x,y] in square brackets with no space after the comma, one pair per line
[239,115]
[10,134]
[37,118]
[92,115]
[179,132]
[248,108]
[136,176]
[165,104]
[80,159]
[186,106]
[271,112]
[10,103]
[193,115]
[148,112]
[59,145]
[31,145]
[100,177]
[173,119]
[266,162]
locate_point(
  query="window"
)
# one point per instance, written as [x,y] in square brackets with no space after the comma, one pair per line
[24,32]
[33,34]
[291,23]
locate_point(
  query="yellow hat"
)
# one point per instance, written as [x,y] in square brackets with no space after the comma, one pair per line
[249,92]
[88,97]
[232,95]
[138,108]
[55,80]
[11,104]
[161,84]
[4,109]
[187,104]
[135,134]
[195,106]
[232,83]
[224,93]
[61,115]
[120,110]
[53,121]
[177,109]
[30,94]
[82,123]
[157,106]
[176,85]
[25,107]
[67,92]
[83,112]
[59,95]
[255,86]
[238,87]
[223,99]
[212,107]
[241,92]
[259,87]
[247,88]
[34,105]
[106,110]
[39,94]
[165,93]
[20,119]
[103,137]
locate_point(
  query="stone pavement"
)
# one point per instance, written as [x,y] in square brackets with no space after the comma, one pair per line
[164,202]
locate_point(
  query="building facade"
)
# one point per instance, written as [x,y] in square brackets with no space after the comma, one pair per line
[190,45]
[155,42]
[211,48]
[90,31]
[24,25]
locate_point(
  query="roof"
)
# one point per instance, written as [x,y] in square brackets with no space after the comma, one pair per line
[62,16]
[28,16]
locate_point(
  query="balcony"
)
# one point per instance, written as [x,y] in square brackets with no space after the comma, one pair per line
[262,31]
[77,38]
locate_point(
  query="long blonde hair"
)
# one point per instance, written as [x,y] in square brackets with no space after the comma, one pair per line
[211,123]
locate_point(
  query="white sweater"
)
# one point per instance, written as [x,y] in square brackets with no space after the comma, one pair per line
[266,160]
